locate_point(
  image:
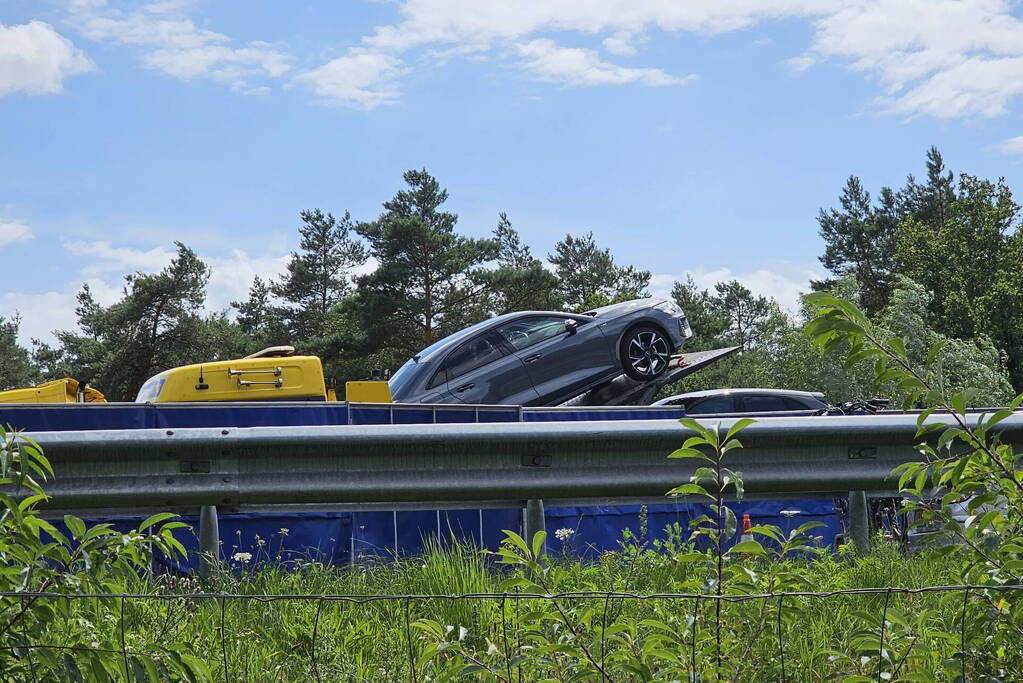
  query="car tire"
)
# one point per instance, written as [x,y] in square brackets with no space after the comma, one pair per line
[645,352]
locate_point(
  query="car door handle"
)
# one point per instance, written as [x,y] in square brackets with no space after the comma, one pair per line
[534,357]
[464,387]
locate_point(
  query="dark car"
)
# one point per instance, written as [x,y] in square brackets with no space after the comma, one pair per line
[544,357]
[716,401]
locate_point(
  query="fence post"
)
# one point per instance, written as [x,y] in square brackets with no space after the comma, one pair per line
[859,525]
[209,540]
[533,521]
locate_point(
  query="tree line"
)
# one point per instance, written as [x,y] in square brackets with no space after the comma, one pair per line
[935,260]
[361,295]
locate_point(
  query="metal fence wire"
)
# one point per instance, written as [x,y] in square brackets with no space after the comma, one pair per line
[301,639]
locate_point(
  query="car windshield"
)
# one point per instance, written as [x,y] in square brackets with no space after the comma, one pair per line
[400,378]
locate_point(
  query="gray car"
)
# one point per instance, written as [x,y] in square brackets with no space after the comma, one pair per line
[544,357]
[757,401]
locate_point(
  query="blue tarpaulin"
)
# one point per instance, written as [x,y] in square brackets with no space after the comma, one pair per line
[342,537]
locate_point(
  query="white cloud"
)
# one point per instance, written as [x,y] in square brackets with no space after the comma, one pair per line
[783,282]
[35,59]
[361,78]
[462,21]
[576,66]
[41,313]
[941,58]
[106,265]
[103,258]
[622,43]
[1013,146]
[232,276]
[13,230]
[177,47]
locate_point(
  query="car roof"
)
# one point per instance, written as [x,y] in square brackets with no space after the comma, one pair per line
[743,392]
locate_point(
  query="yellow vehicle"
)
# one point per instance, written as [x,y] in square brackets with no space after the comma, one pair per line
[64,390]
[273,374]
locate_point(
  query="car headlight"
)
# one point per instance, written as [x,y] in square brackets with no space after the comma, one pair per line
[669,306]
[684,328]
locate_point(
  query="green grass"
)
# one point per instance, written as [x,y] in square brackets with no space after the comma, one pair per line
[273,640]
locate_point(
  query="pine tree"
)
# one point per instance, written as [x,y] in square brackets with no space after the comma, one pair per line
[156,325]
[16,366]
[588,276]
[320,275]
[750,321]
[858,241]
[707,321]
[429,280]
[260,318]
[931,202]
[520,281]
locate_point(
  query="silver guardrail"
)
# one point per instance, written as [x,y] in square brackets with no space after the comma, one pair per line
[797,456]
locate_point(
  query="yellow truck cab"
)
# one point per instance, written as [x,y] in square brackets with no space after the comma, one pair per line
[273,374]
[65,390]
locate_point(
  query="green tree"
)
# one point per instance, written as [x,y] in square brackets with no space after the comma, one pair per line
[971,263]
[319,276]
[156,325]
[259,317]
[750,321]
[589,277]
[16,366]
[520,281]
[429,280]
[931,202]
[959,363]
[707,321]
[858,240]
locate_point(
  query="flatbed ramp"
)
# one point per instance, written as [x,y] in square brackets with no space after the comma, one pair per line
[625,391]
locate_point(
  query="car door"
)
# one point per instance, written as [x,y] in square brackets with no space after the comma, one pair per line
[484,370]
[561,363]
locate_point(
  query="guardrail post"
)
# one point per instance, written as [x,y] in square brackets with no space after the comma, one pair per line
[859,524]
[209,540]
[533,521]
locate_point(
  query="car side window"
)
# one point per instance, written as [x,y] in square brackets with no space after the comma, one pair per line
[795,404]
[473,354]
[714,404]
[529,331]
[765,403]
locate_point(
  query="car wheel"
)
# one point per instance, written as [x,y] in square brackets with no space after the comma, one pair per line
[645,353]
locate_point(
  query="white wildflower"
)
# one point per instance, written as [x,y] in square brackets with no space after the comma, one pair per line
[564,534]
[242,557]
[284,531]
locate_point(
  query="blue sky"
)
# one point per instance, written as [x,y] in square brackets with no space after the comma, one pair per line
[688,136]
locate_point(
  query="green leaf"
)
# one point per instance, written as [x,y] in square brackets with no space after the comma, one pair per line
[156,519]
[688,453]
[739,426]
[689,490]
[748,548]
[75,526]
[538,540]
[690,423]
[897,345]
